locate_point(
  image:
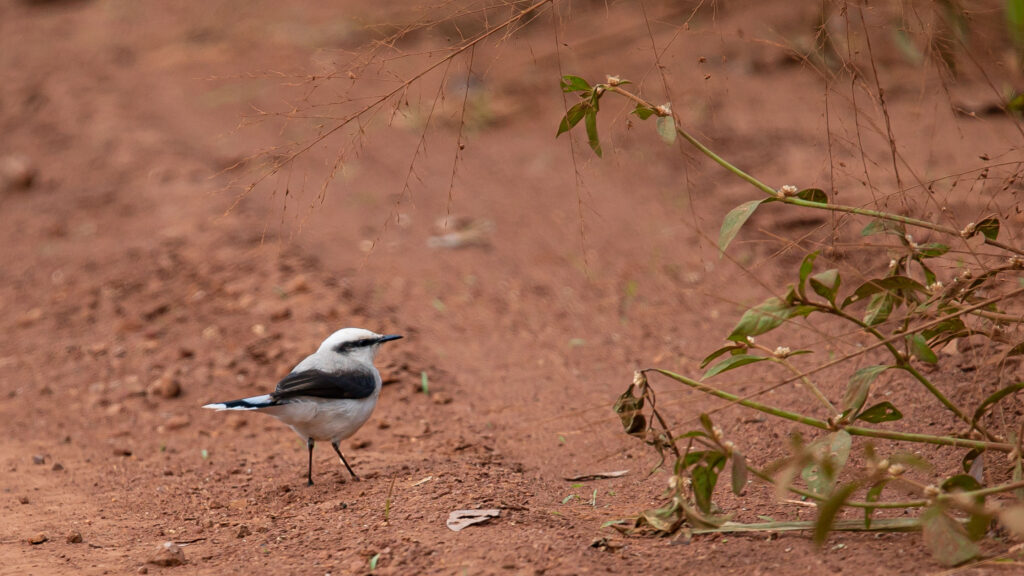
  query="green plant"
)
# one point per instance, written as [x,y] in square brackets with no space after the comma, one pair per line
[907,312]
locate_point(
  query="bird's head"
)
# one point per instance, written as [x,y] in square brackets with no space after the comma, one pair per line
[356,342]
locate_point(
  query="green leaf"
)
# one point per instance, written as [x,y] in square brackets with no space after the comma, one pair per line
[989,227]
[739,472]
[575,84]
[932,250]
[806,267]
[919,348]
[590,120]
[705,477]
[881,412]
[929,276]
[874,493]
[963,482]
[826,284]
[946,538]
[705,421]
[733,221]
[978,523]
[667,129]
[879,308]
[858,387]
[994,398]
[884,226]
[813,195]
[896,285]
[572,117]
[692,434]
[689,459]
[765,317]
[1017,348]
[734,348]
[830,456]
[970,458]
[643,112]
[732,362]
[828,509]
[951,327]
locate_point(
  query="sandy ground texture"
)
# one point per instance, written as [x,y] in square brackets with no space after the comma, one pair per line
[137,283]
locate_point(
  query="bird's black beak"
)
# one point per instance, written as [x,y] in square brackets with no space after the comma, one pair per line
[388,337]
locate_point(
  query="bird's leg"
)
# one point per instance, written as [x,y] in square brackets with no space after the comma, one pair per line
[309,474]
[338,450]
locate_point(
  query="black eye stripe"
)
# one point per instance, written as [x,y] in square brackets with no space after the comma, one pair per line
[346,346]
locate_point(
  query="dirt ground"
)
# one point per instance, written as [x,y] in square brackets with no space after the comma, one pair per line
[137,283]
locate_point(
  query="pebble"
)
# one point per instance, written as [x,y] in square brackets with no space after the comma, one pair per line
[39,459]
[167,554]
[165,387]
[177,422]
[37,538]
[74,537]
[243,531]
[17,172]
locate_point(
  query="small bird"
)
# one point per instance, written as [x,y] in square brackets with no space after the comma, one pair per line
[327,396]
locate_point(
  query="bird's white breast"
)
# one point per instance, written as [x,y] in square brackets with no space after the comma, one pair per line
[323,418]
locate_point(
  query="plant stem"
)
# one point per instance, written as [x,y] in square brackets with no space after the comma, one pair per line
[852,503]
[803,378]
[659,111]
[879,525]
[905,365]
[821,424]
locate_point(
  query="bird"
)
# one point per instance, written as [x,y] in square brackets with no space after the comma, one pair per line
[329,395]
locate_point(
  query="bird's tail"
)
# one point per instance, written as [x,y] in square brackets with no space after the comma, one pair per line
[253,403]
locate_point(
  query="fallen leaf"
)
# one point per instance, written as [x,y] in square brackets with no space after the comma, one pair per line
[597,476]
[459,519]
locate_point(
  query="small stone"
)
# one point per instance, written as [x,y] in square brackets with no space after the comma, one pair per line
[17,172]
[143,570]
[31,317]
[37,539]
[74,537]
[122,451]
[243,531]
[167,554]
[438,398]
[165,387]
[360,444]
[23,499]
[57,467]
[297,284]
[177,422]
[39,459]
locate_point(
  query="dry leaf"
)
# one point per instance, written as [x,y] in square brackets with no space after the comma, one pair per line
[597,476]
[459,519]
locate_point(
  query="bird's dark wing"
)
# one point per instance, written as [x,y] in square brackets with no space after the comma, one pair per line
[353,385]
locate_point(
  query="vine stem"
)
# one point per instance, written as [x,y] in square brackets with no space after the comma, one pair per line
[663,111]
[823,425]
[803,377]
[905,365]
